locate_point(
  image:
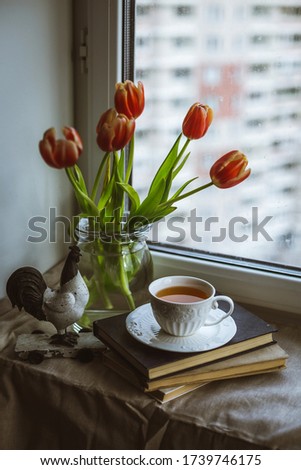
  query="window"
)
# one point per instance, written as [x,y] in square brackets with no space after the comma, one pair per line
[215,12]
[260,39]
[260,10]
[181,72]
[182,41]
[271,145]
[245,95]
[213,43]
[211,75]
[183,10]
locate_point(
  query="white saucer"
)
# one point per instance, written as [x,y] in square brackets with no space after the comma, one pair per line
[141,324]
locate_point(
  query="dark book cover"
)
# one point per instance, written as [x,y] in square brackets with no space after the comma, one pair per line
[252,332]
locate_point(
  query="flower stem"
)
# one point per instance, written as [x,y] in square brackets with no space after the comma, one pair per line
[183,148]
[183,196]
[130,160]
[124,282]
[99,281]
[98,175]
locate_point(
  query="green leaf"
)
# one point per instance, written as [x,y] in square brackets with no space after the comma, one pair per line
[152,200]
[167,165]
[80,179]
[160,214]
[85,203]
[102,218]
[133,195]
[167,187]
[107,193]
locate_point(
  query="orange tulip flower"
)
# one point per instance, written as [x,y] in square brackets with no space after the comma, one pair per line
[114,131]
[129,99]
[230,170]
[60,153]
[197,121]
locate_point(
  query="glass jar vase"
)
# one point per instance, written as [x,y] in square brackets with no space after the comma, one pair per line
[117,269]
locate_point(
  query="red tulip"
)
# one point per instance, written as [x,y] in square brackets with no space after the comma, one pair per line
[114,131]
[129,99]
[197,121]
[61,153]
[71,134]
[230,170]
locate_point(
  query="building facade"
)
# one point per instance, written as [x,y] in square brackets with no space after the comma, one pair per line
[244,60]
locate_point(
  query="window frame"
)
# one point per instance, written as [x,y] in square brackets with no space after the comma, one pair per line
[94,81]
[251,285]
[259,284]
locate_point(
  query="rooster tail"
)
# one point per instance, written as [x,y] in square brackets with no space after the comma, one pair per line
[25,289]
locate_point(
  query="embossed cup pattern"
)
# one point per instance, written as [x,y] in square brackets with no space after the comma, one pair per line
[177,322]
[180,319]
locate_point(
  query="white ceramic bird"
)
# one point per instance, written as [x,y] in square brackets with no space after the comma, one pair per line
[27,289]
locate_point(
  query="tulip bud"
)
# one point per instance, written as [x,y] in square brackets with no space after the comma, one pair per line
[129,99]
[230,170]
[61,153]
[71,134]
[114,131]
[197,121]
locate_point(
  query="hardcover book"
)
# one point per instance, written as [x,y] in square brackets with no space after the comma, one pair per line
[252,332]
[268,359]
[163,395]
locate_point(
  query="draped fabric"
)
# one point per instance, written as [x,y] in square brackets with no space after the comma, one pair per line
[65,404]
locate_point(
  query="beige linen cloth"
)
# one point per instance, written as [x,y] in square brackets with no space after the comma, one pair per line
[65,404]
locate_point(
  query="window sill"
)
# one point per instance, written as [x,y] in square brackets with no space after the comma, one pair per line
[279,293]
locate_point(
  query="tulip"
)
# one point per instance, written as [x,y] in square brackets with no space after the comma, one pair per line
[114,131]
[71,134]
[197,121]
[60,153]
[230,170]
[129,99]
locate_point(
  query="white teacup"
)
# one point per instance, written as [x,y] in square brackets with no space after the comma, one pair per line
[182,304]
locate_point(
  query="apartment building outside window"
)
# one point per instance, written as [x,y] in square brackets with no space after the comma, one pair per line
[237,59]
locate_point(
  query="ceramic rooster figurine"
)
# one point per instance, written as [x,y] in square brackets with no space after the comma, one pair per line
[27,289]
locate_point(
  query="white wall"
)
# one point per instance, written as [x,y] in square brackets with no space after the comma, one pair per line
[35,94]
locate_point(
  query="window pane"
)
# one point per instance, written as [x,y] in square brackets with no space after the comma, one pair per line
[244,60]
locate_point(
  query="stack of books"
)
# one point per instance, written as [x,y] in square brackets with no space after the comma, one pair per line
[165,375]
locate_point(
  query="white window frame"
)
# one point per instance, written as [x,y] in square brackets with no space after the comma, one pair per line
[279,291]
[269,290]
[97,47]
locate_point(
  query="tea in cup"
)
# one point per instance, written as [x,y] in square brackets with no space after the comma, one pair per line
[182,304]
